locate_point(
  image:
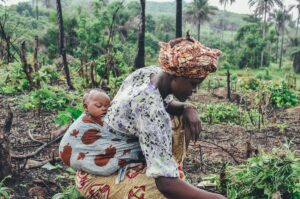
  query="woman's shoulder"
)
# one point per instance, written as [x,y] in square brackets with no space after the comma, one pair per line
[146,71]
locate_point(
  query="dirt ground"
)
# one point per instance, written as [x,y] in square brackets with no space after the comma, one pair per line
[218,144]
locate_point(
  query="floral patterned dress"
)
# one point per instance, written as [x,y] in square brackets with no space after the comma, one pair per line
[136,129]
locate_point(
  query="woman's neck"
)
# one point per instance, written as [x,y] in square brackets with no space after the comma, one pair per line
[162,81]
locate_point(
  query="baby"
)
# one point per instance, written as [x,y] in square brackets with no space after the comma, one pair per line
[96,103]
[89,144]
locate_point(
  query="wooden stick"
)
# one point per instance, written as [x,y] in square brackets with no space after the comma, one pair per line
[235,160]
[37,151]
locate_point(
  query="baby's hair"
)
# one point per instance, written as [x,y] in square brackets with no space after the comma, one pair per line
[88,92]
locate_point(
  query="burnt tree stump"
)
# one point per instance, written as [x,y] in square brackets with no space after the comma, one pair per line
[5,160]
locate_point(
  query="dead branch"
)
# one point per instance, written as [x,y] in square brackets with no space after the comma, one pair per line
[33,139]
[225,150]
[59,131]
[37,151]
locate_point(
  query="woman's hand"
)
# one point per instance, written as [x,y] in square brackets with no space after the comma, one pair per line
[191,123]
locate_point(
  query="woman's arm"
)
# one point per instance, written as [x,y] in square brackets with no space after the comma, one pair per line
[174,188]
[190,116]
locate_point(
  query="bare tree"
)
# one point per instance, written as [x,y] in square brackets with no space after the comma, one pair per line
[140,57]
[109,59]
[26,67]
[5,160]
[62,49]
[35,60]
[178,18]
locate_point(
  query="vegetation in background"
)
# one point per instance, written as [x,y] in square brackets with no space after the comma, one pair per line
[265,175]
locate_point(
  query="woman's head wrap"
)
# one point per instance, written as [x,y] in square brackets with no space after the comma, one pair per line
[187,57]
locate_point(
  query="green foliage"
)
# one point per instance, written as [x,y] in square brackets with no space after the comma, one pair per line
[264,76]
[264,175]
[69,192]
[14,81]
[251,45]
[5,191]
[251,84]
[71,113]
[46,98]
[222,112]
[48,74]
[283,97]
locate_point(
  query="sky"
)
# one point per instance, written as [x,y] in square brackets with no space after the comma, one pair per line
[240,6]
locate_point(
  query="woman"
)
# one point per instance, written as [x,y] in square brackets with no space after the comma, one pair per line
[139,116]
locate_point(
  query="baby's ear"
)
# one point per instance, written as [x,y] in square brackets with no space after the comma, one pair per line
[85,106]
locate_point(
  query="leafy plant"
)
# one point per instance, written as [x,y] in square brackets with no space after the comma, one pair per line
[69,114]
[46,98]
[69,192]
[5,191]
[222,112]
[283,97]
[251,84]
[265,175]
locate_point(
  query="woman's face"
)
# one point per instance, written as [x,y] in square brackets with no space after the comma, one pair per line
[183,87]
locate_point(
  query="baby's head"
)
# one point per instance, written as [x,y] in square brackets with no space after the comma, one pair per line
[96,102]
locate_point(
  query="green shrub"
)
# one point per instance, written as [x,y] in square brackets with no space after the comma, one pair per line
[222,112]
[14,81]
[251,84]
[283,97]
[264,175]
[46,98]
[69,114]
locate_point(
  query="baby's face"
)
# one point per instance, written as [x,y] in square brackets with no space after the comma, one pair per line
[97,104]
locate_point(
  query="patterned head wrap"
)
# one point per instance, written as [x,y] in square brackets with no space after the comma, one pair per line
[187,57]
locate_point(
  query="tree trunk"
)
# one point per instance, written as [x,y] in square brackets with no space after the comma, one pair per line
[26,67]
[296,62]
[281,48]
[8,49]
[62,45]
[140,57]
[178,18]
[277,49]
[198,30]
[223,24]
[35,60]
[5,160]
[297,27]
[228,85]
[37,10]
[264,37]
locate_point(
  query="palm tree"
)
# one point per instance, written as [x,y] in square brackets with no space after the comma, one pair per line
[280,18]
[178,18]
[224,3]
[199,11]
[298,19]
[262,8]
